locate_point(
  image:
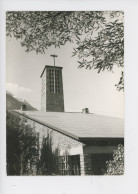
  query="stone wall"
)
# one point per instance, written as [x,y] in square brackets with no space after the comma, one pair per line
[43,92]
[54,101]
[85,164]
[60,141]
[69,146]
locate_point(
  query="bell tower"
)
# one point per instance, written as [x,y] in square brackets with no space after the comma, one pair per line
[52,97]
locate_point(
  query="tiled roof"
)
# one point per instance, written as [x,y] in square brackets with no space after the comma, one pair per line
[79,125]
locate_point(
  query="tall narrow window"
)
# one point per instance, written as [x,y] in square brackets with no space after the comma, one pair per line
[51,81]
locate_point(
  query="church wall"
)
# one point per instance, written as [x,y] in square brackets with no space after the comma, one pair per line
[54,101]
[66,145]
[43,92]
[69,146]
[60,141]
[52,97]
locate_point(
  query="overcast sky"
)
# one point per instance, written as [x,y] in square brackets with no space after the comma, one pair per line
[82,88]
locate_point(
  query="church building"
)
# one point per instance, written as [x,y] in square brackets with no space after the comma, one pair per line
[85,140]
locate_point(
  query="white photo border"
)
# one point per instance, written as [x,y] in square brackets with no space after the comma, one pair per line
[88,184]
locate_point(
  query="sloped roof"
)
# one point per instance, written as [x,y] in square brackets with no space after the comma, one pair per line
[79,125]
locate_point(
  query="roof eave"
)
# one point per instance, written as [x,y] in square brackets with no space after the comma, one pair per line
[50,126]
[99,138]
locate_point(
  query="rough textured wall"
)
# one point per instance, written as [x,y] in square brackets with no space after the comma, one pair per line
[60,141]
[43,92]
[85,164]
[63,142]
[54,101]
[52,97]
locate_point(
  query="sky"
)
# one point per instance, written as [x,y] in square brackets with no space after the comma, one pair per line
[82,88]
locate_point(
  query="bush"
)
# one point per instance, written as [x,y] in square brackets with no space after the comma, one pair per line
[22,146]
[48,163]
[24,156]
[116,166]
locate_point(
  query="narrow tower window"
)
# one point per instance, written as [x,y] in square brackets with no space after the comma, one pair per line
[51,81]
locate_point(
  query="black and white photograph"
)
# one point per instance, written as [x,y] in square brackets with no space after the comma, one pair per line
[68,96]
[64,93]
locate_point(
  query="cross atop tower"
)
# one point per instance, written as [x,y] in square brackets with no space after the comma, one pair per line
[54,56]
[52,98]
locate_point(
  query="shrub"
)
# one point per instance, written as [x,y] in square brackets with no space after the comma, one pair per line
[22,146]
[116,166]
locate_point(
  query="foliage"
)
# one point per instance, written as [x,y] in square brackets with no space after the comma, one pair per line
[98,36]
[116,166]
[120,85]
[24,156]
[48,163]
[22,146]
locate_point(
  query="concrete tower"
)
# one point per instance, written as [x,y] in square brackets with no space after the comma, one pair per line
[52,99]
